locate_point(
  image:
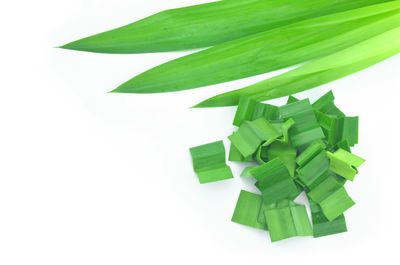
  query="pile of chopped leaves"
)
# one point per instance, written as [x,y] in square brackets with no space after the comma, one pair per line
[297,147]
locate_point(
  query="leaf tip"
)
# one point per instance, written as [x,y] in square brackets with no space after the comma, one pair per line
[67,46]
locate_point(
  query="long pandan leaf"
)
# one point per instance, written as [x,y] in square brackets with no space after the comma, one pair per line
[267,51]
[209,24]
[316,73]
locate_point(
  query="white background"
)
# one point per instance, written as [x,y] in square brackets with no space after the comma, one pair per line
[88,177]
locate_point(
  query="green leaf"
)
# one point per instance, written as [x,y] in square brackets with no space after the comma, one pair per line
[315,171]
[344,163]
[274,167]
[208,24]
[209,162]
[249,110]
[310,152]
[246,173]
[247,209]
[235,155]
[344,144]
[350,130]
[322,226]
[321,71]
[331,197]
[326,105]
[260,155]
[288,221]
[305,128]
[261,215]
[285,152]
[267,51]
[339,128]
[331,126]
[291,99]
[337,203]
[285,130]
[252,134]
[274,181]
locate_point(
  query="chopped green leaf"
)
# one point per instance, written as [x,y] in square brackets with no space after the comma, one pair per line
[209,162]
[324,227]
[331,126]
[252,134]
[288,221]
[249,110]
[310,152]
[274,181]
[261,155]
[312,173]
[246,173]
[235,155]
[247,209]
[331,197]
[350,130]
[285,130]
[334,205]
[326,105]
[344,163]
[344,144]
[261,215]
[291,99]
[306,128]
[285,152]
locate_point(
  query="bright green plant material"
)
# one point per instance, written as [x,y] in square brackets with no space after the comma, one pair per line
[287,221]
[274,181]
[339,128]
[318,72]
[261,216]
[268,51]
[350,130]
[330,126]
[252,134]
[247,209]
[261,155]
[312,173]
[291,99]
[209,162]
[282,146]
[249,110]
[326,105]
[208,24]
[285,130]
[324,227]
[344,144]
[305,128]
[338,178]
[344,163]
[246,173]
[274,167]
[331,197]
[285,152]
[236,156]
[310,152]
[319,164]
